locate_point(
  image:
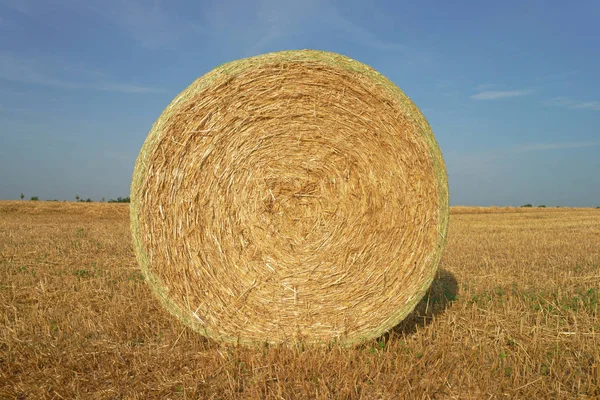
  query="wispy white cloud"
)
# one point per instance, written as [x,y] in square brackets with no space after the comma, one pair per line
[356,32]
[271,21]
[566,102]
[500,94]
[589,105]
[261,25]
[18,69]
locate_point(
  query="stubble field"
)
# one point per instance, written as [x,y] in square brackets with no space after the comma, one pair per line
[513,313]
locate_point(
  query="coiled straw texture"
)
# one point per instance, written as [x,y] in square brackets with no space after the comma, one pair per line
[293,196]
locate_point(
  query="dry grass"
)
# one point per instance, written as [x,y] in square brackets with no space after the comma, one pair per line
[296,195]
[514,313]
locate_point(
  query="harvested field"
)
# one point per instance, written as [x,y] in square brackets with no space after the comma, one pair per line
[513,313]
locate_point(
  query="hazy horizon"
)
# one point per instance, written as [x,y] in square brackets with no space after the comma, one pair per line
[510,89]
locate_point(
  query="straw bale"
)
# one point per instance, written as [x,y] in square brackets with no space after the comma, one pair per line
[297,195]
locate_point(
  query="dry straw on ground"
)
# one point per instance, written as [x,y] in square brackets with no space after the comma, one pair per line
[292,196]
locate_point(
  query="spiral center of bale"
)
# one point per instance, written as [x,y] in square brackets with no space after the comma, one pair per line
[291,196]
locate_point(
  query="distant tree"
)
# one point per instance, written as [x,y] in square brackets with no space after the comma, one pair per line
[77,197]
[120,200]
[22,196]
[34,198]
[102,200]
[88,200]
[526,205]
[542,206]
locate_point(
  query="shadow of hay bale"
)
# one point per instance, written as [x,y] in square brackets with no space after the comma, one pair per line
[441,294]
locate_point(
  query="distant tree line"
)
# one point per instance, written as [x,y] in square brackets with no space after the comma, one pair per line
[120,200]
[81,200]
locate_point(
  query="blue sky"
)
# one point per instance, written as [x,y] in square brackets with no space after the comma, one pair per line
[511,89]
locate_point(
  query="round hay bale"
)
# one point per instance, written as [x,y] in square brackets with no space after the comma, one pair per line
[297,195]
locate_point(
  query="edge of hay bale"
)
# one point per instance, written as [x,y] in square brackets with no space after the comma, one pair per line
[235,67]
